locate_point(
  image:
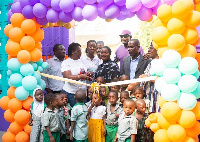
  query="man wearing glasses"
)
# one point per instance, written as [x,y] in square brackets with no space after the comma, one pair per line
[122,51]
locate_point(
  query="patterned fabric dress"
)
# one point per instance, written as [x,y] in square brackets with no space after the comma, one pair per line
[109,70]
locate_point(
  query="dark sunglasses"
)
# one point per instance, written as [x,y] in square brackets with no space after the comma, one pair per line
[124,36]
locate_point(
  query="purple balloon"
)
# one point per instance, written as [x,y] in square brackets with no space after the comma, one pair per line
[15,1]
[77,14]
[149,3]
[46,2]
[169,2]
[66,5]
[33,2]
[90,12]
[112,11]
[133,5]
[126,12]
[121,17]
[27,11]
[105,2]
[101,10]
[144,13]
[39,10]
[16,8]
[9,14]
[90,1]
[79,3]
[42,21]
[155,8]
[52,16]
[24,3]
[65,17]
[55,5]
[120,2]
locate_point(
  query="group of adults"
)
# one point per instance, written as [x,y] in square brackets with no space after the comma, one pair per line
[95,62]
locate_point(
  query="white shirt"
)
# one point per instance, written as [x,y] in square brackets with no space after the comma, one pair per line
[91,65]
[98,112]
[75,66]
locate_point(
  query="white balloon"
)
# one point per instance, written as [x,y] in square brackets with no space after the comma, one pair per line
[171,58]
[170,92]
[160,83]
[187,101]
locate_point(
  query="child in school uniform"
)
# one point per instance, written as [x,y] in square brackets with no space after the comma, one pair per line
[123,96]
[124,86]
[49,120]
[97,125]
[127,122]
[100,80]
[144,134]
[79,123]
[104,92]
[113,112]
[37,109]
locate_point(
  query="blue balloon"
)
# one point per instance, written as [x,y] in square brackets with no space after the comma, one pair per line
[188,83]
[16,80]
[39,63]
[196,92]
[26,69]
[14,65]
[42,84]
[40,68]
[35,66]
[187,101]
[170,92]
[45,65]
[29,82]
[9,73]
[172,75]
[37,76]
[21,93]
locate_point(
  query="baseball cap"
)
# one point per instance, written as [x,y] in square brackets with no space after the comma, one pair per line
[125,32]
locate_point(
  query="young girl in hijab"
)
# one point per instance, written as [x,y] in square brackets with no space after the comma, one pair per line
[37,109]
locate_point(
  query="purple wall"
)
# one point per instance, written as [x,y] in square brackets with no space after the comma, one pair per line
[3,123]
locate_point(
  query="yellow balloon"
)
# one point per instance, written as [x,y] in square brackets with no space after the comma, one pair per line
[157,22]
[188,139]
[154,127]
[163,123]
[171,111]
[161,136]
[190,35]
[188,51]
[187,119]
[68,26]
[176,133]
[160,51]
[193,19]
[108,20]
[176,26]
[147,122]
[197,7]
[164,12]
[161,101]
[46,26]
[160,35]
[153,118]
[176,42]
[191,3]
[60,23]
[180,9]
[51,24]
[156,46]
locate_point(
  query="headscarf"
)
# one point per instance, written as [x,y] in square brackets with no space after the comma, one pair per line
[38,107]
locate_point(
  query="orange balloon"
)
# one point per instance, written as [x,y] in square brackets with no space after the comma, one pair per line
[12,48]
[188,51]
[4,102]
[16,19]
[193,131]
[7,29]
[15,127]
[28,26]
[191,35]
[196,139]
[176,133]
[22,117]
[27,43]
[9,115]
[197,42]
[187,119]
[147,122]
[38,45]
[11,92]
[163,123]
[154,127]
[161,136]
[23,56]
[10,57]
[8,137]
[161,101]
[22,137]
[16,34]
[38,35]
[36,55]
[27,129]
[27,103]
[196,110]
[14,105]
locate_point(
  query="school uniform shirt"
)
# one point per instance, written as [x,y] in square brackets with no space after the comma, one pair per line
[98,112]
[78,114]
[126,127]
[50,118]
[60,112]
[111,119]
[88,104]
[76,67]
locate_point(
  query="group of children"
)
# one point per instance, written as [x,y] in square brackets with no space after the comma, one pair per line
[112,114]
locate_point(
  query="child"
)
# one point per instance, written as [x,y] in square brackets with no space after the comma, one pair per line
[123,96]
[49,120]
[100,80]
[104,92]
[90,94]
[127,123]
[144,134]
[124,86]
[37,108]
[79,123]
[97,125]
[113,112]
[139,94]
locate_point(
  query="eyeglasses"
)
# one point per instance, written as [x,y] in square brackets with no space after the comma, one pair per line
[124,36]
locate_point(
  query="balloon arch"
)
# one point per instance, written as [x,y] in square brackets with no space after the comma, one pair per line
[174,32]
